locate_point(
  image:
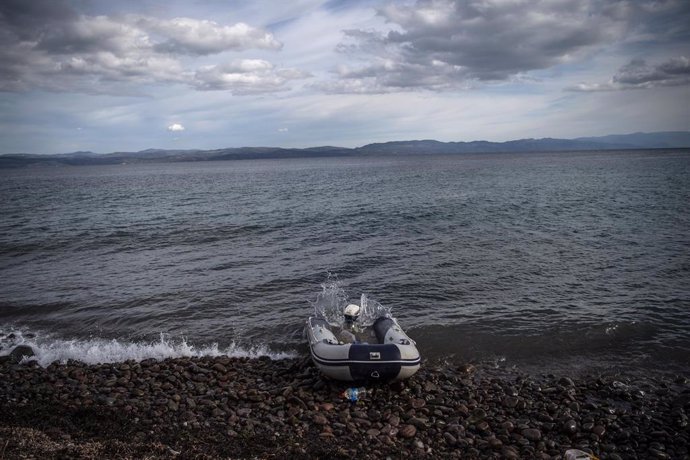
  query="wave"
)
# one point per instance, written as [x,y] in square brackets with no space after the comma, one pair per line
[48,349]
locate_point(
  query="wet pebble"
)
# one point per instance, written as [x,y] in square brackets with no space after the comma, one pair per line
[570,426]
[532,434]
[286,406]
[408,431]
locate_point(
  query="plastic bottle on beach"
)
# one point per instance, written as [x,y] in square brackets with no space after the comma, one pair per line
[577,454]
[354,394]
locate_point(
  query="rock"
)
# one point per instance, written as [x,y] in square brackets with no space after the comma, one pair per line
[373,432]
[430,387]
[510,402]
[20,352]
[219,368]
[570,426]
[407,431]
[262,406]
[418,403]
[566,382]
[294,400]
[418,422]
[320,420]
[509,452]
[532,434]
[599,430]
[450,439]
[243,412]
[397,386]
[495,443]
[654,453]
[477,415]
[462,409]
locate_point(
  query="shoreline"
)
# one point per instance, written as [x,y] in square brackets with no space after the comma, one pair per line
[224,407]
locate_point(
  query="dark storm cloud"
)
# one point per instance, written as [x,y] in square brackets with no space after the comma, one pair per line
[26,19]
[439,44]
[638,74]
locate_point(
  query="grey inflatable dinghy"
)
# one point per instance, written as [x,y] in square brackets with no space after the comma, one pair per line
[394,356]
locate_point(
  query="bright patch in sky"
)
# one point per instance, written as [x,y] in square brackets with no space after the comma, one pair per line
[336,73]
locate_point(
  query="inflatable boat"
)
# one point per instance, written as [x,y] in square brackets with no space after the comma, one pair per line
[393,356]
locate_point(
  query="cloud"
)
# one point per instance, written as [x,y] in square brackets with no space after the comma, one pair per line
[246,76]
[202,37]
[175,127]
[638,75]
[283,130]
[55,48]
[670,73]
[445,44]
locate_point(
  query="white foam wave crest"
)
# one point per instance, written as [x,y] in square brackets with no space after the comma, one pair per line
[98,351]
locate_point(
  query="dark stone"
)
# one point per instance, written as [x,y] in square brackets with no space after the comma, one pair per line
[462,409]
[373,432]
[418,403]
[570,426]
[508,426]
[532,434]
[566,382]
[219,368]
[320,420]
[418,422]
[510,402]
[450,439]
[408,431]
[599,430]
[495,443]
[20,352]
[654,453]
[477,415]
[510,452]
[483,426]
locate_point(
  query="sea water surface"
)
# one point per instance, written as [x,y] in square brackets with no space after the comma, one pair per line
[547,261]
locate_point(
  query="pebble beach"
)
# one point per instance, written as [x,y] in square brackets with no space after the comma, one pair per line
[222,407]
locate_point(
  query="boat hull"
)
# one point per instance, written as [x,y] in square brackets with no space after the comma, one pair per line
[395,357]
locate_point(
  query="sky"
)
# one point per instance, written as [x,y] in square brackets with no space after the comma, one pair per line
[128,75]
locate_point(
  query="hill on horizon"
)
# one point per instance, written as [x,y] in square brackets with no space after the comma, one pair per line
[657,140]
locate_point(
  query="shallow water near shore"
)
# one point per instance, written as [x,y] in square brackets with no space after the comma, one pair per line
[563,261]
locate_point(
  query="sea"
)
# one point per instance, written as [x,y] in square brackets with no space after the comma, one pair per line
[563,262]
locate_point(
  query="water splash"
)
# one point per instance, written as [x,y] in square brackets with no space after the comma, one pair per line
[372,310]
[332,299]
[48,349]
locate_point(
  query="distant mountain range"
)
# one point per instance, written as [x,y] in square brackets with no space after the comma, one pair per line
[659,140]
